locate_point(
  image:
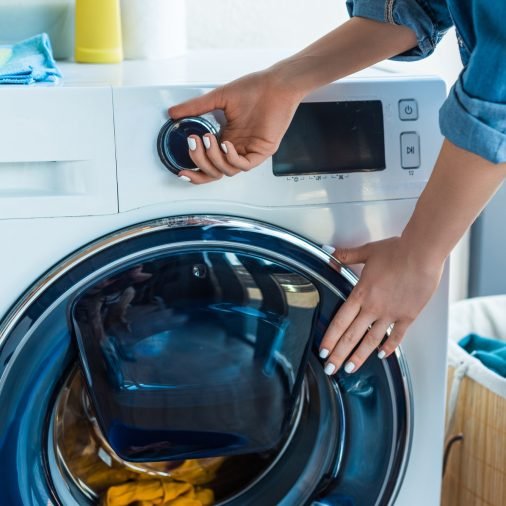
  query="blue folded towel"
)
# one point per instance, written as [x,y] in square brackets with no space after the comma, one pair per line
[28,62]
[490,352]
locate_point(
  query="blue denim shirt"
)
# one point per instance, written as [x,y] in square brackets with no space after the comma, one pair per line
[474,114]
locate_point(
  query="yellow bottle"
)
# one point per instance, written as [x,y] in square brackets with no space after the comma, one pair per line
[98,31]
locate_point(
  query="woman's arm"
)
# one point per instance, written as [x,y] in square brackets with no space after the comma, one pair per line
[260,106]
[351,47]
[401,274]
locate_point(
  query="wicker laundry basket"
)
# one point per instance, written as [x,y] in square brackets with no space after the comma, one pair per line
[475,456]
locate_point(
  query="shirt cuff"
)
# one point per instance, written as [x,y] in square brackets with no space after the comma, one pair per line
[473,124]
[409,13]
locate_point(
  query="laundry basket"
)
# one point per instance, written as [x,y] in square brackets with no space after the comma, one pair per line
[475,456]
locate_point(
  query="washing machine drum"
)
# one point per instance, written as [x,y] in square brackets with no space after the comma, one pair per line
[175,363]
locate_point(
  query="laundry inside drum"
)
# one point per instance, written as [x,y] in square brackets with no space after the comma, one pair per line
[96,473]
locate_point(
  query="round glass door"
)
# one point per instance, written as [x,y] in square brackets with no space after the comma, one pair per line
[198,340]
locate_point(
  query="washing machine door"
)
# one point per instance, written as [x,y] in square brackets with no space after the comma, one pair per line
[182,354]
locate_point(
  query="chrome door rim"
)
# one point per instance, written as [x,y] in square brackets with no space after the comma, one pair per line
[14,315]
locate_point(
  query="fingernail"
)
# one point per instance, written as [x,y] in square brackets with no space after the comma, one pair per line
[381,355]
[185,178]
[349,367]
[224,148]
[324,353]
[328,249]
[329,369]
[207,141]
[192,143]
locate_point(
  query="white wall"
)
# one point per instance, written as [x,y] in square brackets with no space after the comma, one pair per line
[260,23]
[289,24]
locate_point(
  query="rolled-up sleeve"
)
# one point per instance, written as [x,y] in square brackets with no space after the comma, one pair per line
[474,115]
[429,21]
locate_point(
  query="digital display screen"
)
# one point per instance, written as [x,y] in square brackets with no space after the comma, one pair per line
[333,137]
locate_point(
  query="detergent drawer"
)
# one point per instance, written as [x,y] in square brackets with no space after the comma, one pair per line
[57,155]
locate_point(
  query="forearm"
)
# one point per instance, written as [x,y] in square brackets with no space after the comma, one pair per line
[353,46]
[460,186]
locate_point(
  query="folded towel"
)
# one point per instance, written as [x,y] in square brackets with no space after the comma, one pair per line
[489,351]
[28,62]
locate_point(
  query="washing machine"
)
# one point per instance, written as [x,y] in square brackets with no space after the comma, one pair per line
[155,333]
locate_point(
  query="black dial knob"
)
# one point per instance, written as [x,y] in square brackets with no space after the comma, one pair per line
[173,145]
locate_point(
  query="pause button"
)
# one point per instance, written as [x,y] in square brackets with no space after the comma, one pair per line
[410,150]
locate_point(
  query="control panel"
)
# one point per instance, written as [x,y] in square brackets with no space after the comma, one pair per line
[359,139]
[410,141]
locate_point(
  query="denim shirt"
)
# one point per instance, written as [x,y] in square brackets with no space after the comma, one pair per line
[474,115]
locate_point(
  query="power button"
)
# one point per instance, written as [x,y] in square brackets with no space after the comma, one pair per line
[408,110]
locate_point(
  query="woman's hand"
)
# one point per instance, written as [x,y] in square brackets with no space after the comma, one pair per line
[258,108]
[401,274]
[394,287]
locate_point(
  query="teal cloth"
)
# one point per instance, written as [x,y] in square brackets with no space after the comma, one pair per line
[28,62]
[489,351]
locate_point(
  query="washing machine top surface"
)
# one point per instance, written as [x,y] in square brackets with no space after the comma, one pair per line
[193,68]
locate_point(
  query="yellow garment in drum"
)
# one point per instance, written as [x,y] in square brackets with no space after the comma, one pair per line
[93,463]
[123,487]
[197,472]
[157,492]
[178,490]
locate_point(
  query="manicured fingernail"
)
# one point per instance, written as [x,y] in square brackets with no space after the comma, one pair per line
[329,369]
[381,355]
[192,143]
[328,249]
[207,141]
[224,148]
[324,353]
[185,178]
[349,367]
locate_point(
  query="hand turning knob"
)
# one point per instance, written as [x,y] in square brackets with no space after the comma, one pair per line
[172,141]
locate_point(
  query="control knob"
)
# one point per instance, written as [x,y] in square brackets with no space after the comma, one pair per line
[172,141]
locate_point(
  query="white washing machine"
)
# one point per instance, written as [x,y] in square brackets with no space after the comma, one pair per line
[149,324]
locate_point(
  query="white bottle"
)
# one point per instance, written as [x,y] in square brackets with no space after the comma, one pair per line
[153,29]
